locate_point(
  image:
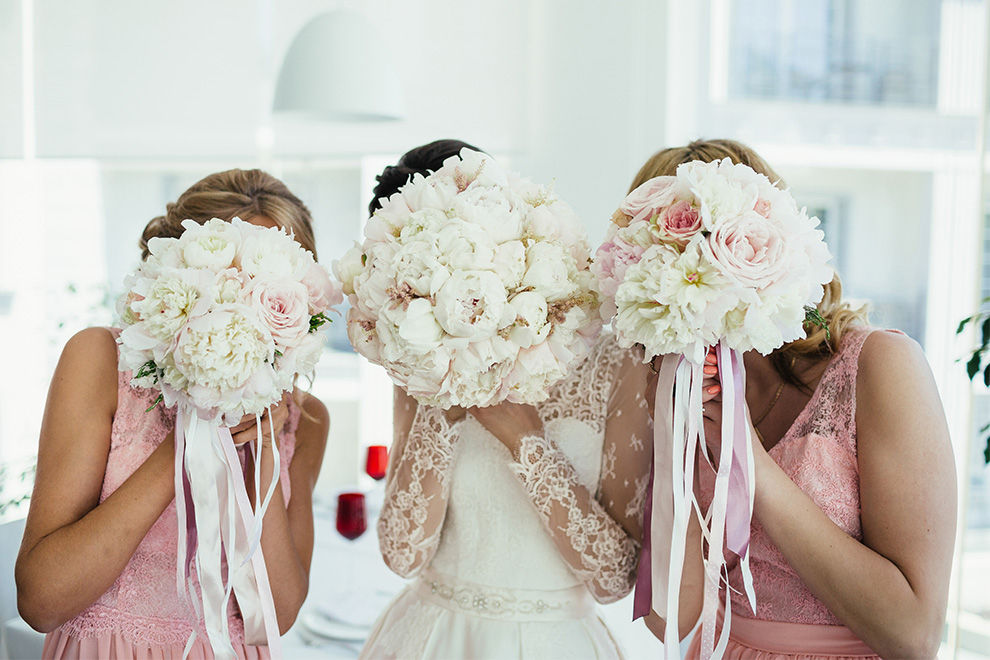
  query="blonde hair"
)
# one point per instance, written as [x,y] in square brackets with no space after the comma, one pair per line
[244,194]
[839,315]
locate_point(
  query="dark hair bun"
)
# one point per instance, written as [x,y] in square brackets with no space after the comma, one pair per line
[423,160]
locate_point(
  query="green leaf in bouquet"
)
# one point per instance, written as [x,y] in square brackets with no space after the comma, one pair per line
[154,403]
[985,332]
[149,368]
[962,324]
[315,322]
[813,317]
[986,375]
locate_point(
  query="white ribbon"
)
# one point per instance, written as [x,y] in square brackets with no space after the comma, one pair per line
[211,501]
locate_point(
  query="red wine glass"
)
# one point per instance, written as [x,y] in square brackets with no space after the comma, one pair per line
[351,519]
[377,462]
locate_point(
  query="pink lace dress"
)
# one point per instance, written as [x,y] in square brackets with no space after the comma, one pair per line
[818,453]
[141,615]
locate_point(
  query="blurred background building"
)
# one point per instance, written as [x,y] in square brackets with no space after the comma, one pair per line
[873,112]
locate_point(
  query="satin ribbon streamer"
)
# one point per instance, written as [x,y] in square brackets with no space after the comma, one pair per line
[215,520]
[678,438]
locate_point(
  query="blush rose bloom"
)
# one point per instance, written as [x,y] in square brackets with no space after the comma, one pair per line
[748,249]
[677,223]
[283,307]
[653,196]
[324,293]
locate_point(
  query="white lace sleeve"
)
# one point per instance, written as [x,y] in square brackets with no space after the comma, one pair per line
[417,485]
[598,537]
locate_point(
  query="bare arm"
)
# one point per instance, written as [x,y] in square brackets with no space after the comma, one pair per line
[891,589]
[74,547]
[287,535]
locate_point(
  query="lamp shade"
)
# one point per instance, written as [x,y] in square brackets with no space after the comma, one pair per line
[337,68]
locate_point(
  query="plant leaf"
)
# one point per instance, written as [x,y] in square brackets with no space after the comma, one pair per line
[962,324]
[986,452]
[154,403]
[985,332]
[973,365]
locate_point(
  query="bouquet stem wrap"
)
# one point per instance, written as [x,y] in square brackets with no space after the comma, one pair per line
[216,519]
[678,437]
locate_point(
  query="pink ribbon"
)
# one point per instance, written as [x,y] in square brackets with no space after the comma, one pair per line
[678,436]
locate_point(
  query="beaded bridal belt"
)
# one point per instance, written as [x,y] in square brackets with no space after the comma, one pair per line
[504,603]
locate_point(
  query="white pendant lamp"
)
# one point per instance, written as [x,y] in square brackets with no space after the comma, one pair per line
[337,68]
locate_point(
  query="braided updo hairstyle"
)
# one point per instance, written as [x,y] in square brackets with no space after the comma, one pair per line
[423,160]
[244,194]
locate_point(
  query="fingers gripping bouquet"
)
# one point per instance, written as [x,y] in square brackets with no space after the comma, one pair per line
[714,256]
[221,321]
[472,287]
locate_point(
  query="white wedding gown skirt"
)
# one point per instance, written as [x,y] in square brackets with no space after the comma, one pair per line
[434,620]
[497,587]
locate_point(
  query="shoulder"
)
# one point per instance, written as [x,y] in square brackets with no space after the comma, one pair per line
[90,356]
[896,395]
[98,345]
[887,359]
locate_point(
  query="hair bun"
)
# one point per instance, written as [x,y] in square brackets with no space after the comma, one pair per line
[421,160]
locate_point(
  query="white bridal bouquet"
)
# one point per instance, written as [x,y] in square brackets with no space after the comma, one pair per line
[221,321]
[224,317]
[472,286]
[718,256]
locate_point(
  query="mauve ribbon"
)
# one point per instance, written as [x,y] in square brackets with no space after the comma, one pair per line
[678,435]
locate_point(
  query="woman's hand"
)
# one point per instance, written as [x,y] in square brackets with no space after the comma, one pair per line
[247,429]
[509,422]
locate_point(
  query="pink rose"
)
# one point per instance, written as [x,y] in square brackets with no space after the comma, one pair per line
[651,197]
[283,307]
[677,223]
[762,207]
[748,249]
[324,293]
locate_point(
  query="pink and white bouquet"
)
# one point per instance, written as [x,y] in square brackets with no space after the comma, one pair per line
[224,317]
[715,256]
[715,253]
[472,286]
[221,321]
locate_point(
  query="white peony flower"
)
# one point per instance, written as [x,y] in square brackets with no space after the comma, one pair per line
[550,271]
[222,349]
[531,325]
[348,267]
[212,245]
[415,324]
[509,263]
[472,304]
[273,255]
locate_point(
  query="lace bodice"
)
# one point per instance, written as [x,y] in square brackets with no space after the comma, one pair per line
[818,453]
[143,605]
[566,511]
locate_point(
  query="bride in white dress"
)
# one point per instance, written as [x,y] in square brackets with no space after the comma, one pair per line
[514,519]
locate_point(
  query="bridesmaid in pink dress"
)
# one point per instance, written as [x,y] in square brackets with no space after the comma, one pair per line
[96,568]
[855,507]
